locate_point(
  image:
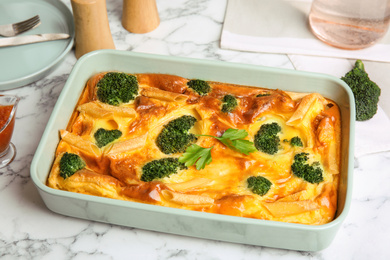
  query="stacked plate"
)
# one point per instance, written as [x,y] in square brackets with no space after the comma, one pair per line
[24,64]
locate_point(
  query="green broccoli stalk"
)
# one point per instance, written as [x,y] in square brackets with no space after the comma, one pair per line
[263,95]
[175,136]
[116,88]
[229,103]
[104,137]
[365,91]
[310,173]
[69,164]
[259,185]
[266,139]
[161,168]
[199,86]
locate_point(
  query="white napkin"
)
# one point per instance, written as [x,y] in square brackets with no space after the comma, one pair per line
[280,26]
[373,137]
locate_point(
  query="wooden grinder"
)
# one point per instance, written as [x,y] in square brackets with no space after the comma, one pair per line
[140,16]
[91,25]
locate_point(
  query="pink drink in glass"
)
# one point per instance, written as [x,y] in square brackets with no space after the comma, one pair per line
[350,24]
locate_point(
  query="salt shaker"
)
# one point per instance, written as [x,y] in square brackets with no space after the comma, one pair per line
[140,16]
[91,25]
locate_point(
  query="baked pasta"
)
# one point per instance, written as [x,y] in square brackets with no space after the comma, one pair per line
[204,146]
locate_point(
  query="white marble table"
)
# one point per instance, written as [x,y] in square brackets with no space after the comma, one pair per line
[28,230]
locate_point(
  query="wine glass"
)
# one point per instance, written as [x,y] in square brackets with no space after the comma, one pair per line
[8,105]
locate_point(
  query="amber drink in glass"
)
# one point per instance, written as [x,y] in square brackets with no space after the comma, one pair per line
[8,105]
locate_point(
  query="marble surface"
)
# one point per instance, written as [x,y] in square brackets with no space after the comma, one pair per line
[189,28]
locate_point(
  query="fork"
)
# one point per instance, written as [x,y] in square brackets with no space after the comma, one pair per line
[14,29]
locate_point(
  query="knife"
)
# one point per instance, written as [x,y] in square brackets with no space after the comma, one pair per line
[26,39]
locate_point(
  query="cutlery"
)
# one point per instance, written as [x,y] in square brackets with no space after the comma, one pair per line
[26,39]
[14,29]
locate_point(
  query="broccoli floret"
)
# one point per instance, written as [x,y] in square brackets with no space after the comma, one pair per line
[266,139]
[104,137]
[199,86]
[310,173]
[69,164]
[229,103]
[259,185]
[296,141]
[174,137]
[161,168]
[365,91]
[116,88]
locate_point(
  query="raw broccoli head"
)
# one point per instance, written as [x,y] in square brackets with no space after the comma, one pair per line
[365,91]
[174,137]
[259,185]
[310,173]
[266,139]
[161,168]
[229,103]
[104,137]
[69,164]
[116,88]
[199,86]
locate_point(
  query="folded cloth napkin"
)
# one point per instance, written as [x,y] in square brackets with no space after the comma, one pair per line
[371,136]
[281,26]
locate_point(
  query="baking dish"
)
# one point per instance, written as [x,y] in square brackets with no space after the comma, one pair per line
[185,222]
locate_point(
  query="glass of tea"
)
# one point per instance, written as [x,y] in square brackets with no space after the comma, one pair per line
[350,24]
[8,105]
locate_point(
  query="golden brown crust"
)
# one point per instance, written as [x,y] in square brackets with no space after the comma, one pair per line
[115,170]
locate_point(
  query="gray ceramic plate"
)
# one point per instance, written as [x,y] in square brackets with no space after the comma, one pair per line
[22,65]
[187,222]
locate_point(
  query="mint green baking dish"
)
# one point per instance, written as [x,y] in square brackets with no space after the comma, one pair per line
[186,222]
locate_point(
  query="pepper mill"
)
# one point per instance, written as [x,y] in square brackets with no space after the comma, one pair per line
[91,26]
[140,16]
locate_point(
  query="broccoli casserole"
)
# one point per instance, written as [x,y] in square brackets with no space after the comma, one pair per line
[202,145]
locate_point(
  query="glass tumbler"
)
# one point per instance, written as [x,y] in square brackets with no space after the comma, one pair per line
[350,24]
[8,105]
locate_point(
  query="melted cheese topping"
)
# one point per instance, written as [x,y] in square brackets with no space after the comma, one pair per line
[115,170]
